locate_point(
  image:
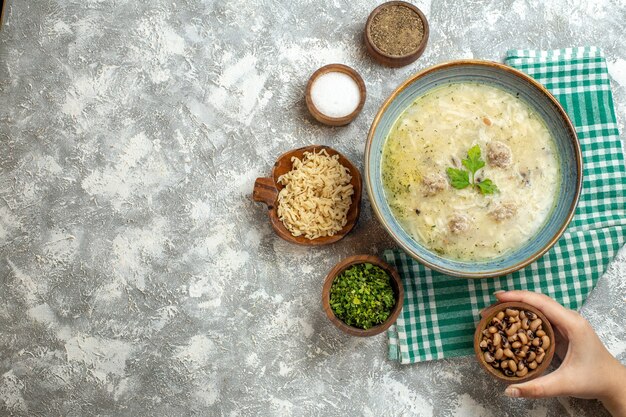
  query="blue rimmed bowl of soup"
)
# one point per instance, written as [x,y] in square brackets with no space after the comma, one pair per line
[474,168]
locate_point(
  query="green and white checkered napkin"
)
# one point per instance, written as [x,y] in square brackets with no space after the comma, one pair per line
[440,312]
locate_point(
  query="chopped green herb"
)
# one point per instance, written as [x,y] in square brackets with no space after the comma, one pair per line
[460,179]
[362,296]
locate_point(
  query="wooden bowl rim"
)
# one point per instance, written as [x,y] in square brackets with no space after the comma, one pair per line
[396,60]
[4,6]
[316,113]
[338,269]
[353,212]
[489,313]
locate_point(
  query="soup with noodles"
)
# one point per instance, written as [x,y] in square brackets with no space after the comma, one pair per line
[439,192]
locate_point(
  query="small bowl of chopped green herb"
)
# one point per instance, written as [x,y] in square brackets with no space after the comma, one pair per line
[362,295]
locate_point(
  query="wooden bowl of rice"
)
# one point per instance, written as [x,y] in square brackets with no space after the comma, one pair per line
[317,214]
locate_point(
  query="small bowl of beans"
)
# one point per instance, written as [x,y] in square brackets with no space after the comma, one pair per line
[514,342]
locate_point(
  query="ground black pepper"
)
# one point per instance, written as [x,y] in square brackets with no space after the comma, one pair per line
[397,30]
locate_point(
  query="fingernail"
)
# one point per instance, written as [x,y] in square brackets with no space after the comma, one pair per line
[512,392]
[498,292]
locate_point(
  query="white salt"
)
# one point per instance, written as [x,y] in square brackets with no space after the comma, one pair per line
[335,94]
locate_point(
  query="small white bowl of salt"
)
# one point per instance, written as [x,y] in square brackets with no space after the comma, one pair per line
[335,94]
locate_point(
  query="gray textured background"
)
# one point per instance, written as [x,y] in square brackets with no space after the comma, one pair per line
[136,275]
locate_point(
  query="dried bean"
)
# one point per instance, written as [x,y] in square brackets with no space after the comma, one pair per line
[525,323]
[545,342]
[488,357]
[522,338]
[493,330]
[535,324]
[516,345]
[540,358]
[504,364]
[511,330]
[508,353]
[508,372]
[497,339]
[532,365]
[522,372]
[500,315]
[512,365]
[531,356]
[499,354]
[540,333]
[511,312]
[531,315]
[536,342]
[483,344]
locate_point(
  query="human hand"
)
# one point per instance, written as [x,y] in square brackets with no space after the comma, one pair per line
[588,370]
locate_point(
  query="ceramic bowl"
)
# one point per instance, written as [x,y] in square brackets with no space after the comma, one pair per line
[396,284]
[266,191]
[540,100]
[488,314]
